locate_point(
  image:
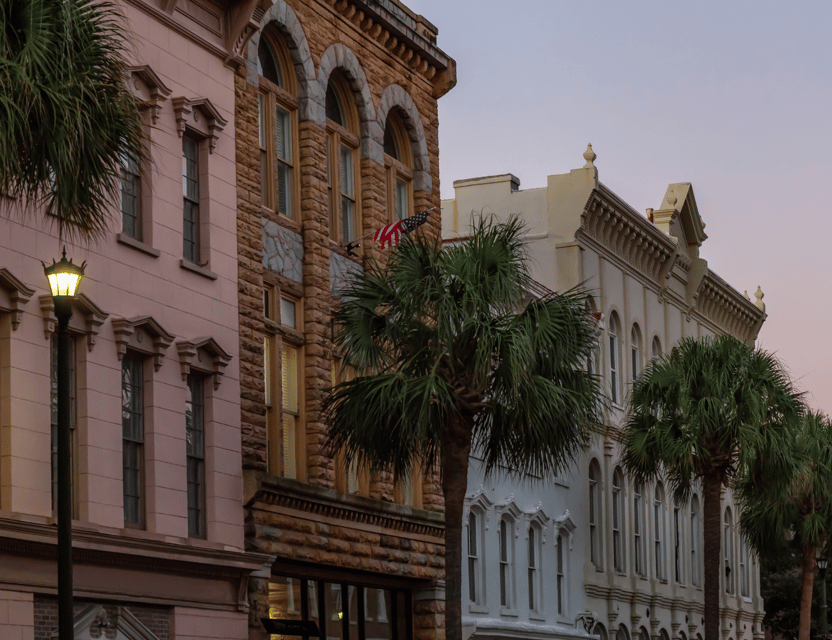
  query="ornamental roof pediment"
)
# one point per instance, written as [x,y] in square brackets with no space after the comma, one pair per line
[679,217]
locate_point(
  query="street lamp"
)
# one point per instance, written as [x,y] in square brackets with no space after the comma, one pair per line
[64,278]
[823,563]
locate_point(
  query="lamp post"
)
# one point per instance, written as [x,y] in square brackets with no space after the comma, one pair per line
[823,563]
[64,278]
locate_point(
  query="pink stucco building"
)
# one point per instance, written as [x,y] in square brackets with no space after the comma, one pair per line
[158,513]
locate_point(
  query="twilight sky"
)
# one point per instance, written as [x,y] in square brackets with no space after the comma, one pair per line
[734,97]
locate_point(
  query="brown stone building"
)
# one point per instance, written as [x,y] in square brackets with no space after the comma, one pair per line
[337,135]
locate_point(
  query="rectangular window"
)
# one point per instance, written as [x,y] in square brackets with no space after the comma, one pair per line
[744,568]
[694,545]
[594,543]
[195,437]
[505,564]
[73,421]
[283,380]
[342,611]
[348,221]
[657,507]
[283,145]
[132,423]
[402,198]
[532,568]
[637,533]
[677,542]
[190,193]
[131,196]
[560,576]
[473,558]
[613,369]
[264,158]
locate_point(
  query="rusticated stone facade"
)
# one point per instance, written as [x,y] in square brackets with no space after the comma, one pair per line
[319,531]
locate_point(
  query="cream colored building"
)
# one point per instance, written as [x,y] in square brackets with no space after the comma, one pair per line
[591,552]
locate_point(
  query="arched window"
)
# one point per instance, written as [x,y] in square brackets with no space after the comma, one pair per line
[342,161]
[506,563]
[643,634]
[398,162]
[615,369]
[622,633]
[600,631]
[658,540]
[677,540]
[657,349]
[694,541]
[594,515]
[277,119]
[474,559]
[638,529]
[617,521]
[728,550]
[635,352]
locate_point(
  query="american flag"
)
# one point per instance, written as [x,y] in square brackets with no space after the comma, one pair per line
[390,235]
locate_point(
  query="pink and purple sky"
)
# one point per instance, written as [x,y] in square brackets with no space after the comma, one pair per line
[734,97]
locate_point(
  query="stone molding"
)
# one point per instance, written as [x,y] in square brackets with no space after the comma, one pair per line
[152,92]
[334,506]
[200,115]
[395,95]
[130,334]
[339,56]
[13,295]
[87,317]
[94,622]
[204,355]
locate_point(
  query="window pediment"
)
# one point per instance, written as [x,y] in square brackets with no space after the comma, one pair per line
[149,88]
[203,355]
[94,622]
[87,317]
[564,524]
[536,517]
[200,115]
[13,295]
[508,509]
[144,335]
[479,502]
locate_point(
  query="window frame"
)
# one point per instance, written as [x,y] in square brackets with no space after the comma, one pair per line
[194,255]
[196,455]
[618,521]
[658,534]
[678,543]
[614,364]
[139,361]
[280,335]
[338,138]
[272,96]
[694,542]
[398,168]
[560,574]
[595,552]
[635,352]
[505,558]
[639,531]
[728,550]
[535,567]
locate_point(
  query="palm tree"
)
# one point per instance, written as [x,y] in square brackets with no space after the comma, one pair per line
[710,410]
[803,506]
[66,114]
[455,356]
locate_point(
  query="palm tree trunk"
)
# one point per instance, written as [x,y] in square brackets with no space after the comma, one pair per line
[456,447]
[711,511]
[808,568]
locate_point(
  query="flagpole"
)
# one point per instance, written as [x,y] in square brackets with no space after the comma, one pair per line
[357,242]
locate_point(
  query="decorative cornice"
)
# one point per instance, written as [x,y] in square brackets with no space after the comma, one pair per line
[334,505]
[93,317]
[102,548]
[729,309]
[616,227]
[188,112]
[204,355]
[404,36]
[17,294]
[157,92]
[129,333]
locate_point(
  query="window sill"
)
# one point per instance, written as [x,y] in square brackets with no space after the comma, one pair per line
[477,608]
[536,615]
[282,220]
[138,245]
[509,612]
[195,268]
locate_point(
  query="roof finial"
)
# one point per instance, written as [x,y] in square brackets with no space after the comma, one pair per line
[589,156]
[745,293]
[759,295]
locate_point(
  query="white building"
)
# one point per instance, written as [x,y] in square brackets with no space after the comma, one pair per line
[592,551]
